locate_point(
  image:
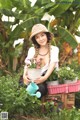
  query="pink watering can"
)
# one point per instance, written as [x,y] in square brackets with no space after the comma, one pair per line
[32,88]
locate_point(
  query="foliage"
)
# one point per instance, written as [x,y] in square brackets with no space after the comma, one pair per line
[34,63]
[17,102]
[69,114]
[67,36]
[15,99]
[54,75]
[65,114]
[66,73]
[76,66]
[67,16]
[26,16]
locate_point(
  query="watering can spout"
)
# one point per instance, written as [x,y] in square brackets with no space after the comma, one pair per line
[37,94]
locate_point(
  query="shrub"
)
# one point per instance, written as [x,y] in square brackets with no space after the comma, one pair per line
[67,73]
[15,99]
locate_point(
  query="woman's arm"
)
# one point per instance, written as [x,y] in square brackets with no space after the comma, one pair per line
[54,59]
[50,70]
[30,55]
[25,75]
[48,73]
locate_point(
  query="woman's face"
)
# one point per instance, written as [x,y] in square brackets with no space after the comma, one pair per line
[41,38]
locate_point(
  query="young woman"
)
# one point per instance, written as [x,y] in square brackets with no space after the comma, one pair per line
[41,39]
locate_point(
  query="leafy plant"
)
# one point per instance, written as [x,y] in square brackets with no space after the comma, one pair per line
[54,75]
[34,63]
[66,73]
[76,66]
[69,114]
[14,99]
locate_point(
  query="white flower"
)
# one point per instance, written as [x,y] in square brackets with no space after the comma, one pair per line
[77,38]
[4,18]
[75,50]
[27,61]
[13,27]
[68,68]
[33,2]
[52,0]
[14,9]
[48,17]
[52,18]
[19,41]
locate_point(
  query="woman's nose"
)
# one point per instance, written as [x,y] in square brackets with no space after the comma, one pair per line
[40,38]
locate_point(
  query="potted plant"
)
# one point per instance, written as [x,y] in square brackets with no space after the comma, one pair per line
[67,75]
[53,79]
[34,68]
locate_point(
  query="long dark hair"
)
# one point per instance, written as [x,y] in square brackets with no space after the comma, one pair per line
[49,37]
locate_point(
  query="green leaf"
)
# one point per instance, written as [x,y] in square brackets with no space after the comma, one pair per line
[26,24]
[78,33]
[67,36]
[7,12]
[45,1]
[60,7]
[5,4]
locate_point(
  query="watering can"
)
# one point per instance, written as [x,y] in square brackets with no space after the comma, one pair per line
[32,88]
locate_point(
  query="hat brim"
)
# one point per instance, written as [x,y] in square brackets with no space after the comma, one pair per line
[30,38]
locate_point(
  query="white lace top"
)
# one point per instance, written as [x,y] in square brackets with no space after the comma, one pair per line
[54,56]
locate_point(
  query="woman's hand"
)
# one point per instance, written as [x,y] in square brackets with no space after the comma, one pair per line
[40,80]
[26,79]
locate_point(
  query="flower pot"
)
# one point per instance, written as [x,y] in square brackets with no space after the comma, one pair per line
[53,82]
[70,81]
[34,73]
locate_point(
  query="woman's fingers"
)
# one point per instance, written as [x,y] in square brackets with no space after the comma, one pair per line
[26,79]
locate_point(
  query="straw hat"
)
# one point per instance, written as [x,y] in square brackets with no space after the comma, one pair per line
[37,28]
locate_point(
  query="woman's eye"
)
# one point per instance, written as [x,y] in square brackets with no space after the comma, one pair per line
[42,34]
[36,37]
